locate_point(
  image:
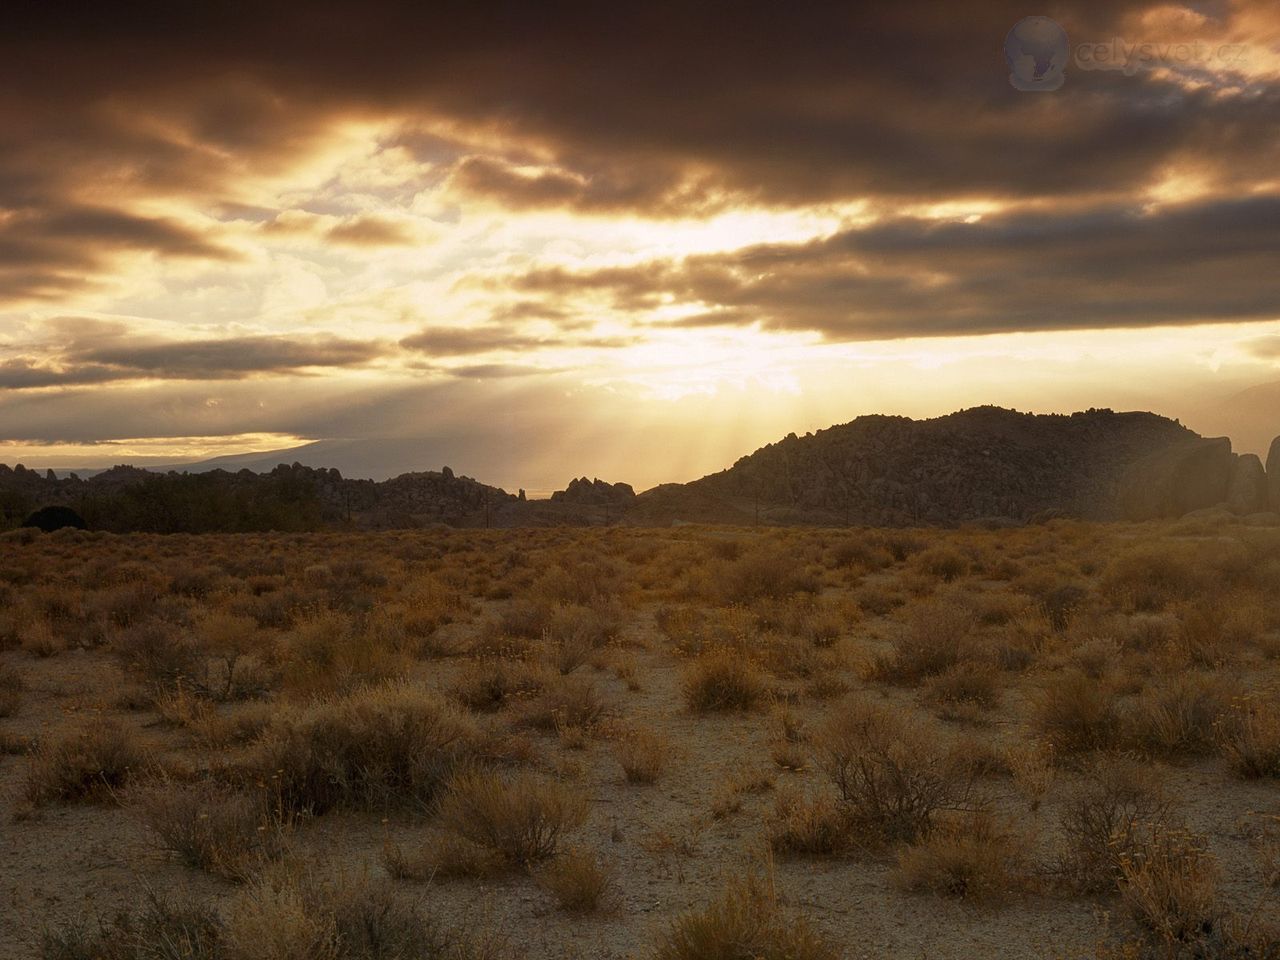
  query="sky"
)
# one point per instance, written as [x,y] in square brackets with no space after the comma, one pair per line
[537,241]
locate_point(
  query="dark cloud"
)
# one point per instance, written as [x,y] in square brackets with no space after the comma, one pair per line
[97,353]
[233,357]
[1111,266]
[46,253]
[490,371]
[455,341]
[25,373]
[462,341]
[653,107]
[370,232]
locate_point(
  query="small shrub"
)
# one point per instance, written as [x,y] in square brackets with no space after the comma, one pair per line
[1249,737]
[942,562]
[1177,714]
[11,687]
[1074,713]
[1151,577]
[1169,883]
[1033,771]
[444,856]
[966,684]
[1102,820]
[390,744]
[287,914]
[90,763]
[159,654]
[642,753]
[213,828]
[969,859]
[722,681]
[765,572]
[566,703]
[889,773]
[746,922]
[936,637]
[810,825]
[41,638]
[519,816]
[489,685]
[577,880]
[161,930]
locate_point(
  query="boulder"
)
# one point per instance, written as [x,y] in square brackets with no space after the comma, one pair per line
[1247,490]
[1189,475]
[54,518]
[1273,475]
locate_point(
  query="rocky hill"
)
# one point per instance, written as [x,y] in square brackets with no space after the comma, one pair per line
[985,462]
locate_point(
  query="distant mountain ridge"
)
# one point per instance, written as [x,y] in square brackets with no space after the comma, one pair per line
[975,464]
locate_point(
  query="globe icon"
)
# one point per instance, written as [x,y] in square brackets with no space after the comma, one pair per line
[1036,50]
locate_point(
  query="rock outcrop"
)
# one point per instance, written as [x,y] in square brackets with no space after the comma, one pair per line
[1190,475]
[1273,475]
[596,491]
[1247,491]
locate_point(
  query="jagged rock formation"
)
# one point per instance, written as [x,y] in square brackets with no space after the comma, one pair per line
[597,491]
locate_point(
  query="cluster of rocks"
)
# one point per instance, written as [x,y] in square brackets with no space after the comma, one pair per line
[1201,474]
[595,491]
